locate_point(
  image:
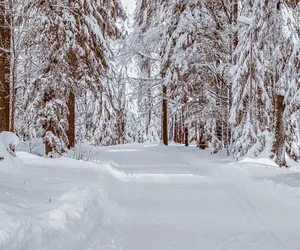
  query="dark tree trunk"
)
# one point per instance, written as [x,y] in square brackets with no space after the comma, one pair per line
[48,148]
[235,18]
[186,136]
[175,129]
[71,120]
[4,69]
[202,140]
[171,132]
[279,142]
[48,125]
[165,116]
[180,132]
[149,95]
[219,130]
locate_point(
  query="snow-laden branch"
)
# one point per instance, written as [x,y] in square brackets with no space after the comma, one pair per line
[141,53]
[244,20]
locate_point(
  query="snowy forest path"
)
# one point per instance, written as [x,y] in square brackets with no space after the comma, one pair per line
[147,196]
[178,198]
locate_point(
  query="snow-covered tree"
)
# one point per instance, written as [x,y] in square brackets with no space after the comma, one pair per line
[75,36]
[265,80]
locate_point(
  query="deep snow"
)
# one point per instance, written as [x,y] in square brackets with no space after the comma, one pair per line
[150,197]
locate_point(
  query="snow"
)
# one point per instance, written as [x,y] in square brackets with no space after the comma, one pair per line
[244,20]
[8,138]
[262,161]
[9,164]
[129,5]
[148,196]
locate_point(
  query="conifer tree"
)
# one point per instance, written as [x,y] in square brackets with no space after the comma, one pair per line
[264,75]
[76,34]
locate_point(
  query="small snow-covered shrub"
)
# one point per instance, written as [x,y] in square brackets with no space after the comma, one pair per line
[84,152]
[10,141]
[9,163]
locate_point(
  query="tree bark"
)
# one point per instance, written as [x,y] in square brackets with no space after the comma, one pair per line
[175,129]
[48,148]
[202,140]
[4,69]
[13,66]
[149,99]
[186,136]
[71,120]
[48,125]
[279,142]
[13,98]
[234,19]
[165,116]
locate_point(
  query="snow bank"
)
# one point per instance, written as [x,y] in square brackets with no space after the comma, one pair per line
[267,162]
[259,161]
[66,226]
[59,206]
[9,163]
[9,138]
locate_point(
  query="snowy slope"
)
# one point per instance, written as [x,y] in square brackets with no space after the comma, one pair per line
[148,197]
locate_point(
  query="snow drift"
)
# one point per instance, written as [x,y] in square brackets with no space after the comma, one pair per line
[9,163]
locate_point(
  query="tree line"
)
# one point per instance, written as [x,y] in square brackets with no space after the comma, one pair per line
[222,74]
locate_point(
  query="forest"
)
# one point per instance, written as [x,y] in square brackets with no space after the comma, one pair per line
[171,126]
[222,74]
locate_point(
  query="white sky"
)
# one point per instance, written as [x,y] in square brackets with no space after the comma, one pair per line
[129,5]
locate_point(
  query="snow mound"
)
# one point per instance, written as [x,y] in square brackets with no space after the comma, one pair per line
[9,138]
[56,204]
[259,161]
[8,162]
[66,226]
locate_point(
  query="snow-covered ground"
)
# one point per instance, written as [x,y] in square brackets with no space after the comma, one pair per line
[148,197]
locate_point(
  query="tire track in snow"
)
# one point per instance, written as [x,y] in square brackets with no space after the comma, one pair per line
[195,170]
[254,219]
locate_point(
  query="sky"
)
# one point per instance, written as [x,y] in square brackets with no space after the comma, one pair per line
[129,5]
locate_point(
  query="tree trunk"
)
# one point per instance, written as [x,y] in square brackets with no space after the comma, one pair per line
[202,140]
[279,142]
[4,69]
[165,116]
[149,100]
[235,41]
[235,15]
[181,128]
[13,65]
[48,125]
[186,136]
[13,98]
[48,148]
[71,120]
[175,129]
[171,132]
